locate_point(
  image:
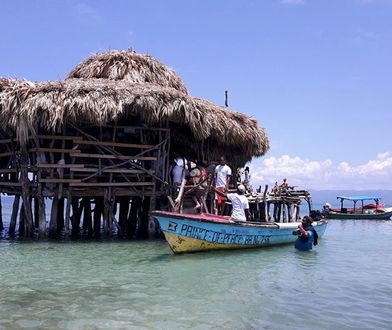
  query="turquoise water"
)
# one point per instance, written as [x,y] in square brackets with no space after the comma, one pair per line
[344,283]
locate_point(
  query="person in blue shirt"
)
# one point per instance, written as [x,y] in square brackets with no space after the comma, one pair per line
[307,235]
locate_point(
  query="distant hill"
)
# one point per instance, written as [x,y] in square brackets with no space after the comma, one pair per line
[324,196]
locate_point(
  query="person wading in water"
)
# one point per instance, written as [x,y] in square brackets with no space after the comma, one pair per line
[307,235]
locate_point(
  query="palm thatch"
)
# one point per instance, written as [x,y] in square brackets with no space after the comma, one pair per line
[129,66]
[26,107]
[118,86]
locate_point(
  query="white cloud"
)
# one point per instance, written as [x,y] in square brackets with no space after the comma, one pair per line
[324,174]
[293,2]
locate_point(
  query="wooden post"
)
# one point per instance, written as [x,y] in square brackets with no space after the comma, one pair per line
[266,217]
[24,180]
[87,219]
[36,213]
[60,215]
[97,216]
[53,216]
[106,206]
[76,215]
[14,216]
[42,217]
[1,216]
[279,211]
[22,220]
[133,216]
[123,214]
[144,218]
[67,213]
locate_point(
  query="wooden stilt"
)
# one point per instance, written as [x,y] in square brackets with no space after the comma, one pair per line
[53,216]
[87,219]
[123,214]
[266,208]
[67,214]
[106,207]
[24,180]
[42,217]
[76,215]
[14,216]
[22,220]
[1,216]
[133,216]
[97,216]
[60,215]
[144,218]
[36,213]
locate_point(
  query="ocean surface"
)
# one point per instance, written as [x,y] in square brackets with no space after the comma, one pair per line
[344,283]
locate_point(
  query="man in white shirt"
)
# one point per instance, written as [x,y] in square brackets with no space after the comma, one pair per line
[240,204]
[222,181]
[178,173]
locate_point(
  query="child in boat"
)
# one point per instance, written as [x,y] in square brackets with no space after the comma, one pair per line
[307,235]
[239,202]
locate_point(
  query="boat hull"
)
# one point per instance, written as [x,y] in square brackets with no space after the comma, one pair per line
[190,233]
[361,216]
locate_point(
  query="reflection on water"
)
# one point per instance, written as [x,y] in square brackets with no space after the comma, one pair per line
[343,284]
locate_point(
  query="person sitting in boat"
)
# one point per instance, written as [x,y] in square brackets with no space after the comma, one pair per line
[239,202]
[307,235]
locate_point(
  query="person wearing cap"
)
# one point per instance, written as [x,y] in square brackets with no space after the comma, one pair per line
[239,202]
[326,209]
[307,235]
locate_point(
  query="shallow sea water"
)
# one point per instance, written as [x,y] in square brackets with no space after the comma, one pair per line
[344,283]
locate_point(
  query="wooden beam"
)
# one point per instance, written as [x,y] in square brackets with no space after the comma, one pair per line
[111,157]
[10,184]
[56,137]
[110,170]
[6,141]
[59,181]
[57,150]
[114,144]
[110,184]
[6,154]
[59,165]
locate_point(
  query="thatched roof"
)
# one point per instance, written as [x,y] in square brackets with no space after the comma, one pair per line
[128,66]
[27,106]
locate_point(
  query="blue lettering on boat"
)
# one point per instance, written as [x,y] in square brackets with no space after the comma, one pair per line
[225,238]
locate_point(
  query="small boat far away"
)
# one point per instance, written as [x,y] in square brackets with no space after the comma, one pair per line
[200,232]
[371,211]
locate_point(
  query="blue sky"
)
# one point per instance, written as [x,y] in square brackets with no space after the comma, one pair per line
[316,74]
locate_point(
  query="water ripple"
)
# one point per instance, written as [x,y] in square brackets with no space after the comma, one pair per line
[343,284]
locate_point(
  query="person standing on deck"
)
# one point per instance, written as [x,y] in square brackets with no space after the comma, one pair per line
[178,173]
[222,181]
[240,204]
[247,178]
